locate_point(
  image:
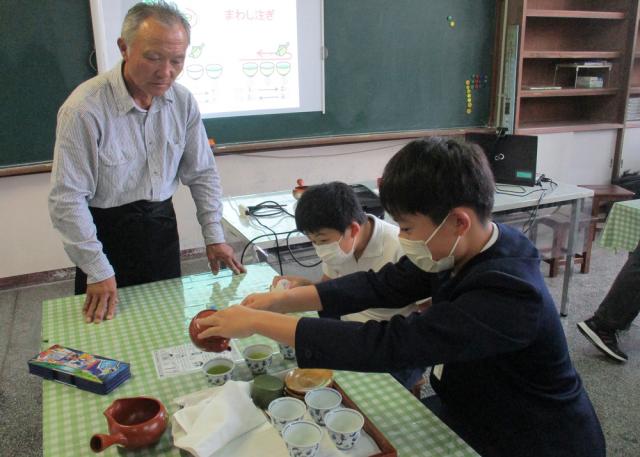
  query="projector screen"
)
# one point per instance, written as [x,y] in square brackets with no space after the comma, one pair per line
[246,56]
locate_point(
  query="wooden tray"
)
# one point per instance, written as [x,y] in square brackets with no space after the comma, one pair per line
[386,449]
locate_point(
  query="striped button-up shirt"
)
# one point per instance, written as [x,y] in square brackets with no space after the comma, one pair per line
[109,152]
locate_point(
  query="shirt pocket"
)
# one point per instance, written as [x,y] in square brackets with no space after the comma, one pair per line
[117,171]
[112,157]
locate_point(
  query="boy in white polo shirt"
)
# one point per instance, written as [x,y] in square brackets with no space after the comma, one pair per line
[348,240]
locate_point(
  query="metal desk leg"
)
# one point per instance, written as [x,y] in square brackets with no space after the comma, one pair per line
[568,265]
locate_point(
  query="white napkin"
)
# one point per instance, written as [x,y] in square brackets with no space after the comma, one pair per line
[213,418]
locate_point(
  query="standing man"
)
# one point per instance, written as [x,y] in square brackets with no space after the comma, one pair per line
[123,140]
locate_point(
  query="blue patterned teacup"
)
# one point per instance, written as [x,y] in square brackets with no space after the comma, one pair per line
[321,401]
[344,426]
[287,352]
[218,371]
[258,358]
[284,410]
[302,438]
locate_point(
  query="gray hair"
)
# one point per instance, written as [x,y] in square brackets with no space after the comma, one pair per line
[165,12]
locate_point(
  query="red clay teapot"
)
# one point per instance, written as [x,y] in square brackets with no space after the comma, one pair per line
[210,344]
[134,423]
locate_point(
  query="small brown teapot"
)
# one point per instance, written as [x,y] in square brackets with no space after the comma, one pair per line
[209,344]
[133,423]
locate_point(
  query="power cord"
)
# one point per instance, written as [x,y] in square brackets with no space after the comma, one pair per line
[270,208]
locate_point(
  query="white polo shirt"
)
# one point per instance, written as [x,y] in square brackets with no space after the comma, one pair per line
[383,247]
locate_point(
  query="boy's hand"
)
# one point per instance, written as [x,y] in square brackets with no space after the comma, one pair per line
[294,281]
[233,322]
[267,301]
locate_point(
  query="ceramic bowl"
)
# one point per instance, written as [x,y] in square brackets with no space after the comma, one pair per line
[321,401]
[218,371]
[258,358]
[210,344]
[284,410]
[344,426]
[287,352]
[302,438]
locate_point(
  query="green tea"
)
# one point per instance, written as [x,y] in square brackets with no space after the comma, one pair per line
[258,355]
[218,369]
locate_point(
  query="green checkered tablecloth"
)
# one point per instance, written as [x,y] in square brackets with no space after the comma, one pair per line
[157,315]
[622,229]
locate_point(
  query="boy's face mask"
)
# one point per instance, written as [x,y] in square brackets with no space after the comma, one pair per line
[418,252]
[332,253]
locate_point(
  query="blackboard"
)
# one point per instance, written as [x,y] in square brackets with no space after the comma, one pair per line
[391,66]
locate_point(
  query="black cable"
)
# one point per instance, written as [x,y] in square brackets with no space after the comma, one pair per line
[268,208]
[294,257]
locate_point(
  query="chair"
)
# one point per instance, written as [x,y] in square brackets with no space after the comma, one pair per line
[604,195]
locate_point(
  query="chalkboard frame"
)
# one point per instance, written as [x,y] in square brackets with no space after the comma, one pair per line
[318,137]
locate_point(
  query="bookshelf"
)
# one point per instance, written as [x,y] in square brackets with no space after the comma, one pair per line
[565,33]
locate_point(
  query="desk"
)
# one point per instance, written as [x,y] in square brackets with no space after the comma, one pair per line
[245,229]
[622,229]
[157,315]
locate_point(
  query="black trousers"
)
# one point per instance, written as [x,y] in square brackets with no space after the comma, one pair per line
[141,241]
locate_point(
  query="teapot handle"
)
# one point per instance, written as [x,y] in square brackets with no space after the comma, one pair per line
[99,442]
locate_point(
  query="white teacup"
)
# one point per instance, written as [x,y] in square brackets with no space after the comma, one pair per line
[285,410]
[218,371]
[302,438]
[321,401]
[287,352]
[344,426]
[258,358]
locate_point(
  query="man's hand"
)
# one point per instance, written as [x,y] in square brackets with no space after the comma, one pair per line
[222,252]
[294,281]
[101,301]
[233,322]
[267,301]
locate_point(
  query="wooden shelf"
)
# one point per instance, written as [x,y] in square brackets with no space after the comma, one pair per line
[634,91]
[536,128]
[576,14]
[569,92]
[571,54]
[632,124]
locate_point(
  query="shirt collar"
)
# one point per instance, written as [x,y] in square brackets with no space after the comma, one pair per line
[124,100]
[375,246]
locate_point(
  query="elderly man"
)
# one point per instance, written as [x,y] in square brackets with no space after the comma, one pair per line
[124,138]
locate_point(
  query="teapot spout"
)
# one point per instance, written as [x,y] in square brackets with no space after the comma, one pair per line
[99,442]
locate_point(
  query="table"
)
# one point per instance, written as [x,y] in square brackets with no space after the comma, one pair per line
[622,228]
[156,315]
[245,229]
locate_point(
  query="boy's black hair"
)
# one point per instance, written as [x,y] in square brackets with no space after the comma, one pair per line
[332,205]
[431,176]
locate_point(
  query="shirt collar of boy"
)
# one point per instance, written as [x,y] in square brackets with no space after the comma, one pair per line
[375,246]
[124,100]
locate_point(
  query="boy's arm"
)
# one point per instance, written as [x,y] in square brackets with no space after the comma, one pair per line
[394,286]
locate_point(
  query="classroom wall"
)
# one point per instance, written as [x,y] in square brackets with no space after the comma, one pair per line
[29,243]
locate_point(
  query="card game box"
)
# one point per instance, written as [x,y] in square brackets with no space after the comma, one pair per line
[86,371]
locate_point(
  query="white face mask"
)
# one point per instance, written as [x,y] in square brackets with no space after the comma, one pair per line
[418,252]
[332,253]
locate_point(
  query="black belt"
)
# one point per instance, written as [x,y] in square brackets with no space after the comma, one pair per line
[141,241]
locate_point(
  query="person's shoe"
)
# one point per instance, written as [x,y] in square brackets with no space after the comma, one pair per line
[603,339]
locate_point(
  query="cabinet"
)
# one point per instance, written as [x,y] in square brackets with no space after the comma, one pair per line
[633,102]
[573,33]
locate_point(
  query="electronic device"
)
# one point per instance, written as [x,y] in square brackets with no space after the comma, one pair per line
[512,158]
[368,199]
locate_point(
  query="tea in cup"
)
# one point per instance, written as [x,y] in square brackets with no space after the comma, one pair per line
[284,410]
[302,438]
[258,358]
[344,426]
[321,401]
[218,371]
